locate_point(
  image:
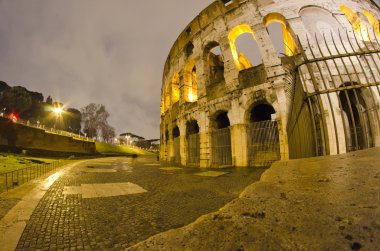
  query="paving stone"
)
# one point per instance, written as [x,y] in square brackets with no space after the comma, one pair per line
[68,219]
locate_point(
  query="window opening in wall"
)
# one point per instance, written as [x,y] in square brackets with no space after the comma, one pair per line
[215,61]
[176,132]
[222,121]
[189,49]
[227,2]
[166,135]
[262,112]
[190,82]
[280,34]
[244,48]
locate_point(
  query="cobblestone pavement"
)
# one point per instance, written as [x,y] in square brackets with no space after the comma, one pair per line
[175,197]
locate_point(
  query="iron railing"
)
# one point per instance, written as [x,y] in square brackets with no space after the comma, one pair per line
[177,150]
[337,94]
[221,147]
[263,143]
[193,149]
[12,179]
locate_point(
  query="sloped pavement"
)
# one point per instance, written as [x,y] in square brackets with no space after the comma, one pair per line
[323,203]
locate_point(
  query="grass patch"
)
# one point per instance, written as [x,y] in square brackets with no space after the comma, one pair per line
[104,148]
[10,162]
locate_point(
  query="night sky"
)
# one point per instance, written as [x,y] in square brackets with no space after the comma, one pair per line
[110,52]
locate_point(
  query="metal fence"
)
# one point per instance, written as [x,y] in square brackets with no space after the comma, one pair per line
[221,147]
[177,150]
[263,143]
[193,149]
[336,107]
[12,179]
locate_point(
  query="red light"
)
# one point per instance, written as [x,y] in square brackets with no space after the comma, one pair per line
[13,117]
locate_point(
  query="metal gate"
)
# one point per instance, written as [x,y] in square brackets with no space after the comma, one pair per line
[221,147]
[177,152]
[336,95]
[263,143]
[193,149]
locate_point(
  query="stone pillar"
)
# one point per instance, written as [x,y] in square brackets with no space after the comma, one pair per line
[231,73]
[239,145]
[183,142]
[204,140]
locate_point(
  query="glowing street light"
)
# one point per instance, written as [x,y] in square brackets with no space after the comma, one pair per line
[58,111]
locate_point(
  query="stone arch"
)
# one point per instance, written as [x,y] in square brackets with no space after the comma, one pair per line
[214,63]
[289,45]
[263,135]
[189,49]
[356,22]
[240,59]
[175,132]
[221,150]
[193,142]
[192,127]
[358,129]
[190,82]
[320,22]
[373,21]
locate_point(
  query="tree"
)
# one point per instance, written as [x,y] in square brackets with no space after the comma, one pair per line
[49,100]
[73,118]
[17,99]
[94,119]
[108,133]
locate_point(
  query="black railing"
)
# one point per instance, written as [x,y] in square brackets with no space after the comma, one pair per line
[12,179]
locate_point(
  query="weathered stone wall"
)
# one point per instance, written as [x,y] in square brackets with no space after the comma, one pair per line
[240,90]
[24,137]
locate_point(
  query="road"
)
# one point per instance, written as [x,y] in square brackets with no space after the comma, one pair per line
[113,203]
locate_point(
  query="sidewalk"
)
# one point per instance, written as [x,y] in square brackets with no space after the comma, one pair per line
[323,203]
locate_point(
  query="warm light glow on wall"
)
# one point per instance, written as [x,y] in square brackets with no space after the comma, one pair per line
[356,23]
[190,82]
[167,97]
[373,21]
[289,43]
[234,34]
[175,88]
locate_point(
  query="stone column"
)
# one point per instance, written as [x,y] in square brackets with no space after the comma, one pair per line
[204,140]
[239,145]
[183,141]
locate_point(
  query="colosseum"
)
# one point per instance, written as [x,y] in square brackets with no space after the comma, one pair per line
[311,89]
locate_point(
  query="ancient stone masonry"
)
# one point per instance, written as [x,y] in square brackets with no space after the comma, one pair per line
[312,89]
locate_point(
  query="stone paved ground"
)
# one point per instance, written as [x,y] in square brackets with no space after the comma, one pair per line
[324,203]
[175,198]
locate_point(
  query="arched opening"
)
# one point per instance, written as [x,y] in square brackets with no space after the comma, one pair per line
[175,88]
[263,136]
[193,143]
[280,34]
[356,119]
[244,48]
[221,140]
[176,145]
[189,49]
[215,63]
[166,135]
[190,82]
[373,21]
[320,23]
[357,24]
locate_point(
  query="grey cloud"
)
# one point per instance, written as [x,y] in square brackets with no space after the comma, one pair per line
[110,52]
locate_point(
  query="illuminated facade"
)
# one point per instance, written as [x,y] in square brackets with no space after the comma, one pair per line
[315,93]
